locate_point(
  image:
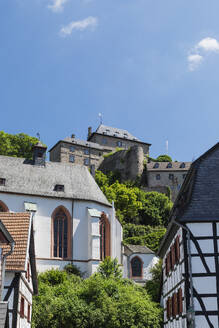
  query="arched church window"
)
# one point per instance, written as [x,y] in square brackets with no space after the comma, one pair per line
[104,237]
[136,267]
[3,207]
[61,233]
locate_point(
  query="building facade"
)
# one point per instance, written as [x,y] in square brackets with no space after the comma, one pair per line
[189,250]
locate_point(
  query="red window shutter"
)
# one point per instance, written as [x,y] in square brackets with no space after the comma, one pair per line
[28,313]
[22,307]
[180,301]
[168,262]
[167,308]
[166,266]
[174,304]
[170,307]
[177,249]
[173,260]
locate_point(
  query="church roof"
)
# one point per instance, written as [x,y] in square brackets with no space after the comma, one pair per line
[22,177]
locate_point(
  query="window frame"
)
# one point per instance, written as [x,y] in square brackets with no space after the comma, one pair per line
[3,206]
[22,306]
[73,157]
[131,271]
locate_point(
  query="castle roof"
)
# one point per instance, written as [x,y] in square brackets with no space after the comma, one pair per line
[168,166]
[22,177]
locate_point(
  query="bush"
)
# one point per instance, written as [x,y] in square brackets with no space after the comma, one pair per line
[110,268]
[73,269]
[153,286]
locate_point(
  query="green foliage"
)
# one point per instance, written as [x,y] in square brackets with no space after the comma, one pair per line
[153,286]
[143,235]
[109,268]
[17,145]
[73,269]
[112,152]
[95,302]
[164,158]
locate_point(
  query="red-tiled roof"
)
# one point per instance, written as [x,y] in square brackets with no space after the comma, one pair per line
[18,226]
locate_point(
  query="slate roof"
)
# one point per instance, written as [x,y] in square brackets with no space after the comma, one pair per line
[84,143]
[18,225]
[168,166]
[117,133]
[22,177]
[139,249]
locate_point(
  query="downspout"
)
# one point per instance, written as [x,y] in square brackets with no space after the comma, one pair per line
[190,273]
[3,269]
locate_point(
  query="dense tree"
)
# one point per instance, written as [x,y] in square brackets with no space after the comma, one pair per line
[164,158]
[153,286]
[96,302]
[16,145]
[109,268]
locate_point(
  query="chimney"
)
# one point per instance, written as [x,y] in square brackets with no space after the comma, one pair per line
[89,132]
[73,136]
[39,154]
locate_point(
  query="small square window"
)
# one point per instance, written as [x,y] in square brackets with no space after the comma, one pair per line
[86,152]
[158,177]
[59,187]
[72,149]
[86,161]
[119,143]
[171,176]
[71,158]
[2,181]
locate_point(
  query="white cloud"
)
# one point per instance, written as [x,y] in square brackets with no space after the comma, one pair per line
[194,61]
[57,5]
[208,44]
[89,22]
[199,52]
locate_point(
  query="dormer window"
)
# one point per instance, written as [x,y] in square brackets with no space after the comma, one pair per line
[2,181]
[72,149]
[182,165]
[169,165]
[156,165]
[59,187]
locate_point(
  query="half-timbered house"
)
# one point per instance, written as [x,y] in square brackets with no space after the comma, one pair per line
[20,281]
[190,249]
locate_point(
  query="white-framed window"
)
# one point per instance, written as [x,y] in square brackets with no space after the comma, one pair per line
[71,158]
[86,161]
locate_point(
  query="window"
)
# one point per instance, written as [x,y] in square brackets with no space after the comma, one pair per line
[100,154]
[104,141]
[61,234]
[156,165]
[59,187]
[3,207]
[2,181]
[28,313]
[136,266]
[182,165]
[71,158]
[157,176]
[72,149]
[22,307]
[86,161]
[169,165]
[104,237]
[119,143]
[86,151]
[171,176]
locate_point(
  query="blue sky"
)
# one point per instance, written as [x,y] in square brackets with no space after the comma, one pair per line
[149,66]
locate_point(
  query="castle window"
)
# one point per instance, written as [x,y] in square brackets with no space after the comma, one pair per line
[157,176]
[22,307]
[59,187]
[71,158]
[2,181]
[184,175]
[104,141]
[104,237]
[182,165]
[86,151]
[156,165]
[72,149]
[86,161]
[136,267]
[169,165]
[171,176]
[61,233]
[119,143]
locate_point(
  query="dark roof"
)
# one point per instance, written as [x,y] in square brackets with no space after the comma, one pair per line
[168,166]
[139,249]
[84,143]
[116,133]
[198,198]
[22,177]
